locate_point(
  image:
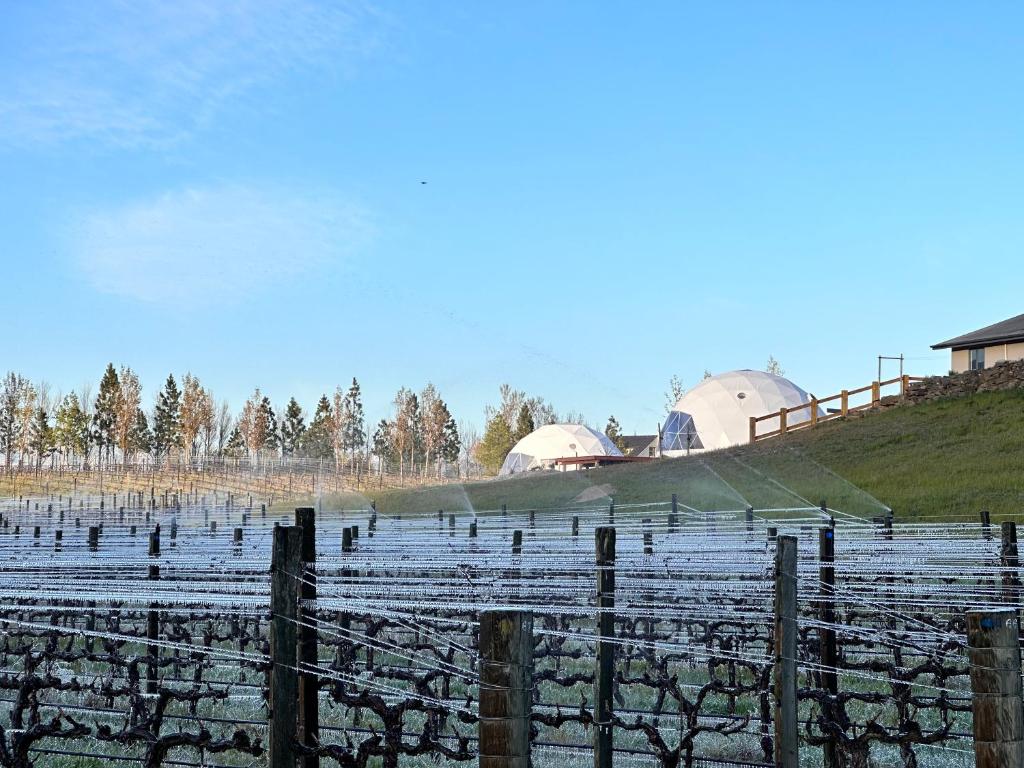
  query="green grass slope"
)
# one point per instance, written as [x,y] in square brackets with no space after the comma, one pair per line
[942,460]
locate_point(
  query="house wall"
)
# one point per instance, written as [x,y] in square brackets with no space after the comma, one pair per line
[1001,352]
[960,360]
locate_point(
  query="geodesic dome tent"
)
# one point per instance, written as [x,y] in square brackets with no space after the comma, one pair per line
[540,448]
[716,413]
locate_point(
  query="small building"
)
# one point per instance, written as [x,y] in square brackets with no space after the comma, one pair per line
[646,446]
[987,346]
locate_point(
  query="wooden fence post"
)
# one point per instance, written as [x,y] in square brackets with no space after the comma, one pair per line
[152,633]
[787,740]
[826,635]
[876,393]
[517,542]
[604,672]
[506,688]
[993,639]
[308,729]
[285,565]
[753,429]
[782,420]
[844,403]
[986,524]
[814,411]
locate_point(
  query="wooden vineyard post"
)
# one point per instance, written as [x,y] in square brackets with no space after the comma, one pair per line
[1009,559]
[604,671]
[309,681]
[517,542]
[994,653]
[506,688]
[986,524]
[152,632]
[826,635]
[748,515]
[787,740]
[673,517]
[285,565]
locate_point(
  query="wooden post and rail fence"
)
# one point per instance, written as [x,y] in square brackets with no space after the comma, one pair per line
[505,657]
[809,414]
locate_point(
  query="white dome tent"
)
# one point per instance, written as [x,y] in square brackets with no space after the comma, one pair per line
[540,448]
[716,413]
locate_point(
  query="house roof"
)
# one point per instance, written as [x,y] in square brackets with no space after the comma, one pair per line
[634,444]
[1001,333]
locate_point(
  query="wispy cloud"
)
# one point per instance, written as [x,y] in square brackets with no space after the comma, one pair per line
[216,244]
[149,72]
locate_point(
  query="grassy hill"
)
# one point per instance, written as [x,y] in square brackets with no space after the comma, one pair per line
[941,460]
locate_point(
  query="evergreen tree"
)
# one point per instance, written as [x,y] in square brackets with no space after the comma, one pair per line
[141,439]
[495,445]
[272,440]
[613,432]
[316,442]
[774,367]
[71,433]
[167,418]
[11,396]
[104,415]
[41,443]
[383,444]
[293,428]
[524,424]
[451,446]
[236,443]
[354,432]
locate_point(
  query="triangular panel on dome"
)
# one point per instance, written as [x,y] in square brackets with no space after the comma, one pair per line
[679,433]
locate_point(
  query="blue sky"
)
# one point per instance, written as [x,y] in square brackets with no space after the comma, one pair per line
[615,193]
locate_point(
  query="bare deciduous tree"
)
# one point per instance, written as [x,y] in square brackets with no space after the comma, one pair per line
[129,396]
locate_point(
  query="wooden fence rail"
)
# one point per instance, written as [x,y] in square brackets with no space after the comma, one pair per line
[814,406]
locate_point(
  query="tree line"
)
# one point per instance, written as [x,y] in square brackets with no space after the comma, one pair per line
[187,423]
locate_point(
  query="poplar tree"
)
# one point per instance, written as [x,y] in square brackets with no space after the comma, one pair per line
[293,428]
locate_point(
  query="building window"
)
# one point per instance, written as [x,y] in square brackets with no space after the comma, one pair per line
[650,451]
[977,359]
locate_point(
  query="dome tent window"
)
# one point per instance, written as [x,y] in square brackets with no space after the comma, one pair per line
[679,433]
